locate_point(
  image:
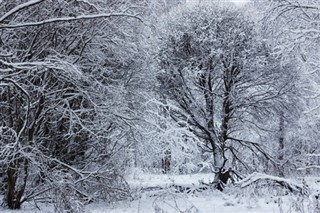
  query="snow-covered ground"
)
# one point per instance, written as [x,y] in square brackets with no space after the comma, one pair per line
[152,193]
[139,179]
[214,202]
[206,203]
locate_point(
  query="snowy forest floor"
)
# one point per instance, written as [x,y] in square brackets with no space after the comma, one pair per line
[155,193]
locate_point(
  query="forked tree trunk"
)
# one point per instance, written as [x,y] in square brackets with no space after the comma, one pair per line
[219,162]
[222,175]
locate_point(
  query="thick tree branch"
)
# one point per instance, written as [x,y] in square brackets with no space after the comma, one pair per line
[68,19]
[20,7]
[258,177]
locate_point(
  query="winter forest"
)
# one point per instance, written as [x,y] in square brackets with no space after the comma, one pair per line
[162,106]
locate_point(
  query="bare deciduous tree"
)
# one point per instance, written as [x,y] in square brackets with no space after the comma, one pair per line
[222,80]
[59,110]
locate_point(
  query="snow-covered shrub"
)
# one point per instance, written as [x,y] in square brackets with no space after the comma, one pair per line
[169,201]
[166,142]
[305,204]
[66,200]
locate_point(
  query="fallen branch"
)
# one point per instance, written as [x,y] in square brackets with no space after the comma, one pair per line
[285,183]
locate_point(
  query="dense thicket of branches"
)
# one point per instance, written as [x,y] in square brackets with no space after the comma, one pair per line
[91,88]
[66,69]
[292,27]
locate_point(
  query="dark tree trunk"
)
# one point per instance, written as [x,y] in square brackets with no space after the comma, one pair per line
[11,199]
[222,178]
[14,194]
[166,162]
[281,146]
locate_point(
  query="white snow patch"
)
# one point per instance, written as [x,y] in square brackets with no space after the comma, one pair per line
[209,201]
[143,180]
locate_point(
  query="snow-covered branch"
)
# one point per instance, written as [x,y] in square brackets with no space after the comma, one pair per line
[309,167]
[258,177]
[19,8]
[68,19]
[24,65]
[28,105]
[313,155]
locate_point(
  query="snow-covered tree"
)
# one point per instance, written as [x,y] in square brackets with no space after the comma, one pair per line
[66,68]
[221,82]
[293,29]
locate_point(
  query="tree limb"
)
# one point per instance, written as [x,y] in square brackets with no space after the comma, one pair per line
[20,7]
[67,19]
